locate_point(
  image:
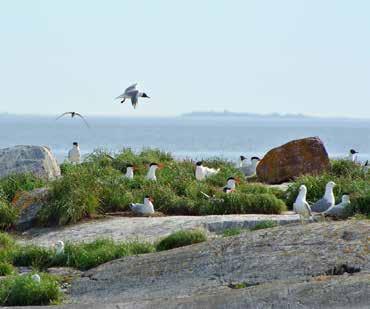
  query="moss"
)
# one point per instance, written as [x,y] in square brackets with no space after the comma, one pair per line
[180,239]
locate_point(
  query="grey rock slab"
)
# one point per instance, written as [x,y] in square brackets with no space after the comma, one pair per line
[146,228]
[298,252]
[38,160]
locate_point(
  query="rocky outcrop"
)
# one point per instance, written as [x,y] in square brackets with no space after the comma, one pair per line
[29,205]
[38,160]
[148,229]
[296,158]
[307,266]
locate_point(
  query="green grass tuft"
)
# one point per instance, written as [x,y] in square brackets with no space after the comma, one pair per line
[232,231]
[7,269]
[264,225]
[23,291]
[8,215]
[180,239]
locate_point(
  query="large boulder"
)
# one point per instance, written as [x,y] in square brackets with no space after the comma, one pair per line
[29,205]
[37,160]
[296,158]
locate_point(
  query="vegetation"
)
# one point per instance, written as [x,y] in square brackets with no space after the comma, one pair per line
[264,225]
[232,231]
[98,186]
[6,269]
[8,214]
[24,291]
[181,239]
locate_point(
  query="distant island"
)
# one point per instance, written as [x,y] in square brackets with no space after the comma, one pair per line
[273,116]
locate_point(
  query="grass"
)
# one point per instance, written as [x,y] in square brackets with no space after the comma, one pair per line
[8,214]
[180,239]
[232,231]
[23,291]
[264,225]
[97,186]
[7,269]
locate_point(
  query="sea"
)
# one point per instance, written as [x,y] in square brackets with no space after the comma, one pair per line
[185,137]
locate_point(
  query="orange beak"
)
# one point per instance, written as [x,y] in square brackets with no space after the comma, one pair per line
[134,168]
[237,180]
[151,199]
[160,165]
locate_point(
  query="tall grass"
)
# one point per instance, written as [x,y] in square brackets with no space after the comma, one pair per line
[8,214]
[181,239]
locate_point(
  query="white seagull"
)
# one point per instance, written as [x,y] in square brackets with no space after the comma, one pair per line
[74,114]
[36,278]
[327,200]
[59,247]
[132,94]
[202,172]
[145,208]
[300,205]
[352,156]
[250,169]
[230,185]
[74,155]
[152,169]
[129,171]
[338,211]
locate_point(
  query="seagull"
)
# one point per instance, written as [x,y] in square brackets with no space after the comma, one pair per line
[132,94]
[73,114]
[230,185]
[74,155]
[36,278]
[250,169]
[338,211]
[202,172]
[242,162]
[129,171]
[59,247]
[300,205]
[366,166]
[352,156]
[151,172]
[327,200]
[145,208]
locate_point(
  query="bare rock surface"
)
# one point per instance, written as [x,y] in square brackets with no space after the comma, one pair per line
[293,159]
[147,228]
[319,265]
[38,160]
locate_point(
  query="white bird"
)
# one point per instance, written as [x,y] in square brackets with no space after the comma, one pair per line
[250,169]
[59,247]
[300,205]
[74,114]
[352,156]
[36,278]
[338,211]
[145,208]
[242,162]
[152,169]
[129,171]
[74,155]
[132,94]
[366,166]
[327,200]
[202,172]
[230,185]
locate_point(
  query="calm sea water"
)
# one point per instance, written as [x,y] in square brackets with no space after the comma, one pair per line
[185,137]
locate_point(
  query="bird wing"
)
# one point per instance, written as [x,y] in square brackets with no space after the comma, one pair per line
[134,98]
[308,208]
[321,205]
[131,88]
[121,96]
[66,113]
[82,117]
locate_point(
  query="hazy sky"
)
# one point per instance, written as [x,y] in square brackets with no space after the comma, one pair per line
[288,56]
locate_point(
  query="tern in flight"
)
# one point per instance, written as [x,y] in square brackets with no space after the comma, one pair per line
[133,94]
[73,114]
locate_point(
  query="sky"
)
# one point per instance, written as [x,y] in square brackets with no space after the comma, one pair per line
[258,56]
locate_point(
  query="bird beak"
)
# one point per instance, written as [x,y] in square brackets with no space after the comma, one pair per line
[151,199]
[237,180]
[160,166]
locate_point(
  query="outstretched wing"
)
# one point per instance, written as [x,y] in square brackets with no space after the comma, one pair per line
[131,88]
[134,98]
[79,115]
[62,115]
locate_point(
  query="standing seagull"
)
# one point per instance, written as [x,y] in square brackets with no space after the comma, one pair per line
[338,211]
[132,94]
[327,200]
[300,205]
[74,155]
[73,114]
[352,156]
